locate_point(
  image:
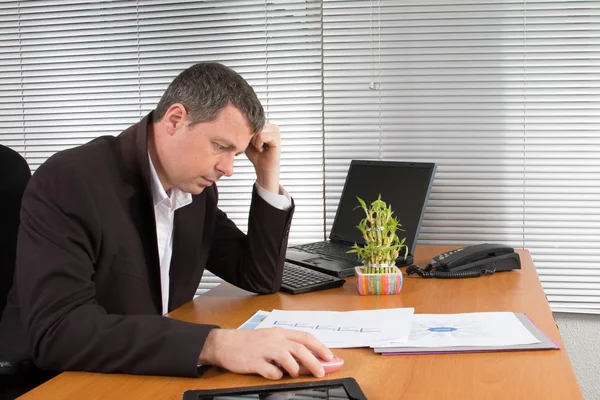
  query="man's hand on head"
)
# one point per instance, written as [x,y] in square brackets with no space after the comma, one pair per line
[258,352]
[264,153]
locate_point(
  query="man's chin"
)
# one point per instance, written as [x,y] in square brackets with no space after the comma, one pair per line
[193,189]
[199,186]
[197,189]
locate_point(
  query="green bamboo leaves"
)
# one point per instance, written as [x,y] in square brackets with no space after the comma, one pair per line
[382,245]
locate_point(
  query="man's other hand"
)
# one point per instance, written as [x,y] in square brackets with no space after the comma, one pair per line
[264,153]
[258,351]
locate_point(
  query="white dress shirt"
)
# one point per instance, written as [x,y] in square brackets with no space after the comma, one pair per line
[165,205]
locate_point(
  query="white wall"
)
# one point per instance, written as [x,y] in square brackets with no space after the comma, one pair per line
[581,334]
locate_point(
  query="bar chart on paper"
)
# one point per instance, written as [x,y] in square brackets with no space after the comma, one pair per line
[339,329]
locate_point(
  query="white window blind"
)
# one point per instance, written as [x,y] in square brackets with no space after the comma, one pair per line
[75,70]
[432,81]
[503,96]
[562,150]
[75,74]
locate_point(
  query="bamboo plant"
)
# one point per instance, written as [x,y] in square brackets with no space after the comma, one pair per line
[382,245]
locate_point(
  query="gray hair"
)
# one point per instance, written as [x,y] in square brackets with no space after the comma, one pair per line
[204,89]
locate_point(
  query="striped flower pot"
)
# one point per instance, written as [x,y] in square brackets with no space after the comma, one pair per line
[378,283]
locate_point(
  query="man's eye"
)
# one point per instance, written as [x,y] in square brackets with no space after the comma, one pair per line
[219,147]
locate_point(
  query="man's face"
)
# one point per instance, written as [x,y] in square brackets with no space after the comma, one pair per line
[195,157]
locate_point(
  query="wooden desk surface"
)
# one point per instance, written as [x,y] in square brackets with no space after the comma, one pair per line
[514,375]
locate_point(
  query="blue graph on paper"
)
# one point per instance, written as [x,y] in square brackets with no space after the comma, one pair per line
[259,317]
[322,327]
[438,329]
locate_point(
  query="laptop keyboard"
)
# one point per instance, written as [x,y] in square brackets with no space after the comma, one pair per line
[297,279]
[329,249]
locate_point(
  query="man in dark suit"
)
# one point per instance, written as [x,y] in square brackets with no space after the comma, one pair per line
[117,232]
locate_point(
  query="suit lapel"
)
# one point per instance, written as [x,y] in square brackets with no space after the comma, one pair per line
[142,211]
[134,153]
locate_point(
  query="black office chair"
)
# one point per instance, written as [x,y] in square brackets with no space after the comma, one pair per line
[13,180]
[17,373]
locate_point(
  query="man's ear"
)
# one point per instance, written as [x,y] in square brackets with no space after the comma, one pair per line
[175,118]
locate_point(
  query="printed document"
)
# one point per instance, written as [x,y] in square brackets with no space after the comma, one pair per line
[472,329]
[339,329]
[254,320]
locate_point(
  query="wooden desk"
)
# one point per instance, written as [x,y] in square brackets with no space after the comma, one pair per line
[514,375]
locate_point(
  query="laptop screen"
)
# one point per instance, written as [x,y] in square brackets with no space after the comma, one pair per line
[404,185]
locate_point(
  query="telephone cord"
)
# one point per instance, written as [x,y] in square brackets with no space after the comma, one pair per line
[428,272]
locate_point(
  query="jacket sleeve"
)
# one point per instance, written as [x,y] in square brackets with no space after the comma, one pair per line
[59,242]
[254,261]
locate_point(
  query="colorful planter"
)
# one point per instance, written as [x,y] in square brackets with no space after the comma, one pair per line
[378,283]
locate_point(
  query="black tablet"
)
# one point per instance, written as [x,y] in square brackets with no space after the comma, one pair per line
[345,388]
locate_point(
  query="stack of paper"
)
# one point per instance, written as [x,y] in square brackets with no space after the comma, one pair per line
[400,331]
[474,332]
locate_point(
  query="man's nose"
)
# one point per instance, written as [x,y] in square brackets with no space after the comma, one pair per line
[225,164]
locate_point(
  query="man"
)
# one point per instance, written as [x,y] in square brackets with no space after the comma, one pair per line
[117,232]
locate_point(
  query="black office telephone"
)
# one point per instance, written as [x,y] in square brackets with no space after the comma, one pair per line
[471,261]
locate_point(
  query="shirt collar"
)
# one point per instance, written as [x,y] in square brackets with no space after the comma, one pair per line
[177,199]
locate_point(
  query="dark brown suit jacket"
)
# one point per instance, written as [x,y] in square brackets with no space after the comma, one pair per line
[86,294]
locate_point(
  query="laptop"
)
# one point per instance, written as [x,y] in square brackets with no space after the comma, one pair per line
[404,185]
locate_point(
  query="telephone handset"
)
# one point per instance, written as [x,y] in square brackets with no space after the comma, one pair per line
[471,261]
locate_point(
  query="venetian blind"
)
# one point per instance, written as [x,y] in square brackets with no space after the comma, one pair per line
[503,96]
[69,74]
[75,70]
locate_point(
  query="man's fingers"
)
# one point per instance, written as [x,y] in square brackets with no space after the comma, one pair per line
[311,342]
[269,371]
[289,363]
[308,360]
[269,135]
[257,142]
